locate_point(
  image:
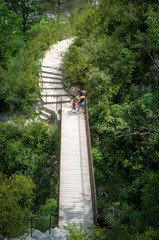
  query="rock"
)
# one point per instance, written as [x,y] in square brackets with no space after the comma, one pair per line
[37,233]
[74,90]
[4,117]
[37,106]
[49,237]
[58,234]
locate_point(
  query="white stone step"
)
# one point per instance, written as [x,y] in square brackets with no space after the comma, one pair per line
[51,75]
[45,113]
[43,117]
[51,70]
[50,107]
[53,107]
[49,80]
[50,85]
[54,92]
[63,222]
[50,100]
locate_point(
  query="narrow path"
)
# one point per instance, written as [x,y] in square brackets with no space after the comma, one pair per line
[75,204]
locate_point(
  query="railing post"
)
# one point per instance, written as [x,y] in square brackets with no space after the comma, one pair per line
[3,230]
[31,226]
[50,226]
[56,103]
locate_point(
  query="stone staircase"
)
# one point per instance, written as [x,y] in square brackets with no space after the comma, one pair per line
[50,81]
[52,92]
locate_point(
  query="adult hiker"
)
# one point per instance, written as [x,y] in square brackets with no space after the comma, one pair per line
[81,102]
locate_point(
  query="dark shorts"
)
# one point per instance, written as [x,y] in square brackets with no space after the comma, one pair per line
[81,104]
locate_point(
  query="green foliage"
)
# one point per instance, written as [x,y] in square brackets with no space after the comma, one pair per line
[30,12]
[31,149]
[42,221]
[153,28]
[150,199]
[78,233]
[10,38]
[115,59]
[96,63]
[16,199]
[19,84]
[91,17]
[149,234]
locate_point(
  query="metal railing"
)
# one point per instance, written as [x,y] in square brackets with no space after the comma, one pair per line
[9,230]
[91,170]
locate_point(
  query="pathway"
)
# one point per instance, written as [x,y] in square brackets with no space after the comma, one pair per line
[51,80]
[75,203]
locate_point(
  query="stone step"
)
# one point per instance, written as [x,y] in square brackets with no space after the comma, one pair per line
[50,85]
[44,118]
[51,69]
[78,222]
[51,82]
[54,96]
[66,106]
[48,75]
[45,113]
[50,108]
[54,92]
[53,100]
[53,108]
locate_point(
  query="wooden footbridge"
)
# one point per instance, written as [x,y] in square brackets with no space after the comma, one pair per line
[77,194]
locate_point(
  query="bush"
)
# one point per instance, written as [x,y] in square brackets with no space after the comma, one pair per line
[78,233]
[16,199]
[31,149]
[45,213]
[19,84]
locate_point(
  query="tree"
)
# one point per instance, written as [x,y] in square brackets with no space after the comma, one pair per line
[28,10]
[150,199]
[62,7]
[10,39]
[16,199]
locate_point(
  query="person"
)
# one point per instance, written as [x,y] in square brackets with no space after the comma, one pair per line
[74,106]
[81,102]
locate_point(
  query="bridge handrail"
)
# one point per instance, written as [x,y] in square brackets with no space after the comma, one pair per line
[60,157]
[91,170]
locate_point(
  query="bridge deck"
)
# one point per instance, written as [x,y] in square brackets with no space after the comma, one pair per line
[75,204]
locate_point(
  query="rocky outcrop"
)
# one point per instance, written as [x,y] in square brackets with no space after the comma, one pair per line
[55,234]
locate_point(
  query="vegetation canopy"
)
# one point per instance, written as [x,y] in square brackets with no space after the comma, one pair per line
[115,58]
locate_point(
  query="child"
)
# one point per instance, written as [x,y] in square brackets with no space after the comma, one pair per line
[74,106]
